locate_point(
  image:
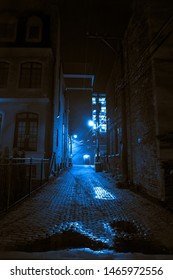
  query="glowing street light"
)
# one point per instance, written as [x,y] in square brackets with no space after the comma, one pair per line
[75,136]
[91,123]
[71,141]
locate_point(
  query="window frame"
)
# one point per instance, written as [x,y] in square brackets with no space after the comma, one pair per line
[27,75]
[34,21]
[26,135]
[7,19]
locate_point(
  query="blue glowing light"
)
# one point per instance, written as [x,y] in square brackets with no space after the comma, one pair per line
[75,136]
[86,157]
[101,193]
[90,123]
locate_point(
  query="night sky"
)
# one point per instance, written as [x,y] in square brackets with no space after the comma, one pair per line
[80,113]
[84,54]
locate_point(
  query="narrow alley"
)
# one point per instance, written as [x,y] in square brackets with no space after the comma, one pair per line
[84,210]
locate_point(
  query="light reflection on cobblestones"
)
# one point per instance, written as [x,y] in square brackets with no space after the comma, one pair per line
[74,202]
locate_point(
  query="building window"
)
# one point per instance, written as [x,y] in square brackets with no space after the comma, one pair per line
[30,75]
[34,30]
[99,114]
[8,27]
[4,69]
[26,131]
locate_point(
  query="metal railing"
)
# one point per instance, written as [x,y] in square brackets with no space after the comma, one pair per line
[19,177]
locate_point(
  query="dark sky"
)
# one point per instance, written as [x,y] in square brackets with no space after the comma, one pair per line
[84,55]
[80,113]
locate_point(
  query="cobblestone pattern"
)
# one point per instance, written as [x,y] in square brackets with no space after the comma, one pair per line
[88,201]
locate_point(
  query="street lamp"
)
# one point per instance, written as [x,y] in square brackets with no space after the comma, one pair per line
[71,138]
[91,123]
[96,128]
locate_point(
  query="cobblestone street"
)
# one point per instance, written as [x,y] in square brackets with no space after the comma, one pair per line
[85,209]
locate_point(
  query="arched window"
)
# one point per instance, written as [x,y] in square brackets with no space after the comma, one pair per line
[26,131]
[8,28]
[4,69]
[30,75]
[34,29]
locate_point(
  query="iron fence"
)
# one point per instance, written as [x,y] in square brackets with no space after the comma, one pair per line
[19,177]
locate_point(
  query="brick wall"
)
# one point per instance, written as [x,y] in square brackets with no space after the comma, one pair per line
[143,164]
[140,97]
[161,19]
[115,115]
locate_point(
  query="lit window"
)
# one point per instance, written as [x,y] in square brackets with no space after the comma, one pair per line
[26,131]
[4,69]
[103,108]
[30,75]
[99,107]
[103,128]
[34,29]
[8,27]
[93,100]
[102,99]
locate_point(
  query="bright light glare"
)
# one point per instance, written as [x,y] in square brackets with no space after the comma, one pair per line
[75,136]
[90,123]
[101,193]
[86,156]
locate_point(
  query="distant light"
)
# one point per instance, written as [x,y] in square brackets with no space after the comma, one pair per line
[91,123]
[74,136]
[86,156]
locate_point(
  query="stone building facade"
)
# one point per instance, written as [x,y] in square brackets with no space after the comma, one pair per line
[33,105]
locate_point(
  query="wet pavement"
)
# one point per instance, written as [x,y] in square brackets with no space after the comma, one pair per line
[85,209]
